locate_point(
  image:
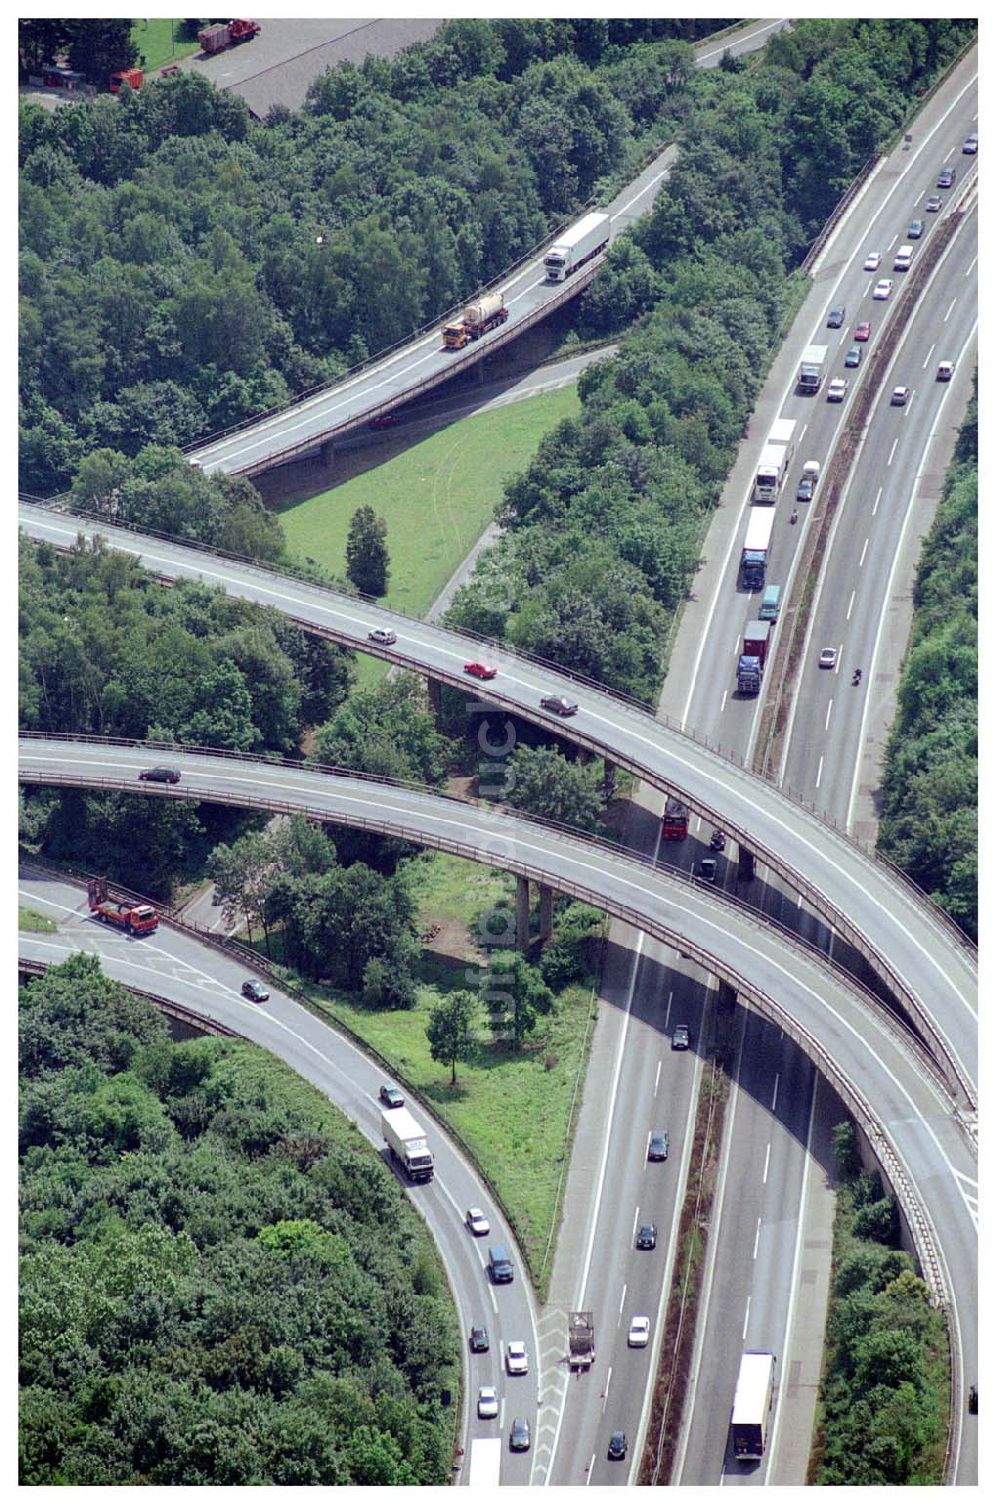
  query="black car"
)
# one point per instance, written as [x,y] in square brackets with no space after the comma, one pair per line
[681,1038]
[805,490]
[479,1340]
[160,774]
[646,1236]
[255,990]
[556,704]
[618,1446]
[659,1144]
[390,1095]
[706,868]
[520,1435]
[835,318]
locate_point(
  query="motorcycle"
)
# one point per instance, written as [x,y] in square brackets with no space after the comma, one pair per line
[856,679]
[718,840]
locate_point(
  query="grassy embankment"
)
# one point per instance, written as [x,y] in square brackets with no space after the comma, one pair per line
[436,497]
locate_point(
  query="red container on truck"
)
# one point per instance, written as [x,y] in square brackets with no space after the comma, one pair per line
[750,671]
[133,77]
[675,819]
[131,918]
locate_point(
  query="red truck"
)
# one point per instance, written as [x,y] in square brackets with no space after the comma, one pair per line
[133,77]
[675,819]
[750,671]
[131,918]
[227,34]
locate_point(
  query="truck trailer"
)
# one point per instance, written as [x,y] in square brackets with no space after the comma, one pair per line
[581,1340]
[774,462]
[578,245]
[749,1422]
[407,1143]
[474,321]
[750,671]
[131,918]
[811,369]
[756,543]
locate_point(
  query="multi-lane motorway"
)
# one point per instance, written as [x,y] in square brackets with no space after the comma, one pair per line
[911,1119]
[827,731]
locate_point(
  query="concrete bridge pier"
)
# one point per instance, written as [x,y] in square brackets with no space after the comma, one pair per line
[545,911]
[434,698]
[727,997]
[523,913]
[745,865]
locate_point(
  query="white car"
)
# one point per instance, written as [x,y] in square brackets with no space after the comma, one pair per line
[827,658]
[872,261]
[945,372]
[835,393]
[882,289]
[899,396]
[476,1223]
[517,1359]
[382,637]
[487,1405]
[638,1332]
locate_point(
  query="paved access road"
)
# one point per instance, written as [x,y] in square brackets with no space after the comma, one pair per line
[884,917]
[179,968]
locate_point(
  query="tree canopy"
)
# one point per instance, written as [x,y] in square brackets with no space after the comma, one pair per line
[221,1283]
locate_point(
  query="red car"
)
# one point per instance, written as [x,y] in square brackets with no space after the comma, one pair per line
[863,330]
[382,422]
[481,670]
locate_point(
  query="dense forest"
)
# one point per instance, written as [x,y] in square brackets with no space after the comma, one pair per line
[883,1417]
[603,530]
[184,267]
[221,1283]
[929,822]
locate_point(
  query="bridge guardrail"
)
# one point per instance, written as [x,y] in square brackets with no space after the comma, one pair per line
[578,679]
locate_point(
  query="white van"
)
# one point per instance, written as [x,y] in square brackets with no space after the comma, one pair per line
[811,470]
[903,259]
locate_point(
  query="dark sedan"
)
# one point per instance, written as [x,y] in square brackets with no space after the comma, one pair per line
[646,1236]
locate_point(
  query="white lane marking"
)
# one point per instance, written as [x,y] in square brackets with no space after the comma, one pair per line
[746,1317]
[656,1083]
[589,1470]
[886,597]
[892,452]
[930,353]
[948,311]
[850,606]
[864,552]
[621,1304]
[645,190]
[725,700]
[635,1223]
[756,1239]
[717,51]
[971,266]
[774,1095]
[767,1163]
[878,500]
[819,773]
[607,1389]
[829,710]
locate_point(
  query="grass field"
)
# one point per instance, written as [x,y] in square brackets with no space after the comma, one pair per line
[33,922]
[435,504]
[158,41]
[513,1110]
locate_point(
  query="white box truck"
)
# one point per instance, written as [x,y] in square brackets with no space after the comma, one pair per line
[753,557]
[577,246]
[408,1143]
[811,369]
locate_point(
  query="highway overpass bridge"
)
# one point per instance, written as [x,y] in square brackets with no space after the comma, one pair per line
[927,965]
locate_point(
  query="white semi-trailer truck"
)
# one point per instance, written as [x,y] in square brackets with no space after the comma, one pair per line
[577,246]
